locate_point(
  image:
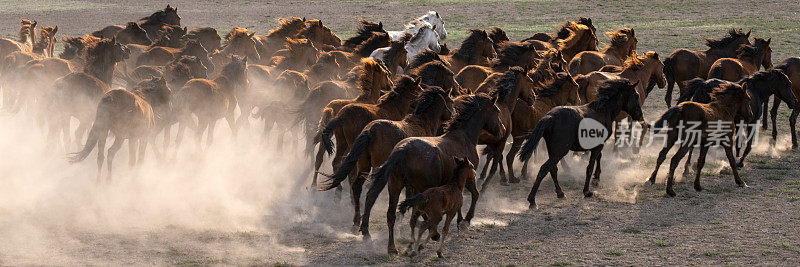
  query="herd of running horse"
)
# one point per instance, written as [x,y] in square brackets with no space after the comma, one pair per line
[398,108]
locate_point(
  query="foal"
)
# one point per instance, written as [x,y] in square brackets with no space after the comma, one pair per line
[438,201]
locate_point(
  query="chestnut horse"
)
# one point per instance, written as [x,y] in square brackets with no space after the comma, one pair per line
[477,49]
[623,44]
[748,60]
[790,67]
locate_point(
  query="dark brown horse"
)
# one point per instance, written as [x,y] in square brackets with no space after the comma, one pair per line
[686,64]
[790,67]
[510,54]
[300,55]
[161,56]
[560,131]
[748,60]
[154,23]
[425,57]
[373,145]
[320,35]
[729,102]
[436,202]
[266,45]
[623,44]
[477,49]
[131,34]
[365,30]
[419,163]
[207,36]
[563,32]
[240,42]
[352,118]
[435,73]
[325,69]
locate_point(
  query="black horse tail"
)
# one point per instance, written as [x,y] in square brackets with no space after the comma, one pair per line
[414,201]
[381,176]
[533,139]
[325,136]
[669,69]
[670,118]
[360,145]
[575,66]
[101,125]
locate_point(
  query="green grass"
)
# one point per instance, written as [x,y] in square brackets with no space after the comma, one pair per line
[662,243]
[561,263]
[710,253]
[613,252]
[497,246]
[631,230]
[13,6]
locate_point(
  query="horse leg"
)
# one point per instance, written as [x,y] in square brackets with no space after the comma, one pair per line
[355,193]
[395,187]
[317,164]
[543,171]
[142,149]
[597,165]
[167,135]
[472,186]
[765,105]
[701,160]
[486,165]
[589,170]
[516,144]
[668,94]
[413,220]
[792,124]
[676,159]
[499,162]
[688,164]
[101,150]
[112,151]
[662,155]
[211,126]
[132,145]
[446,228]
[554,175]
[732,162]
[747,147]
[231,123]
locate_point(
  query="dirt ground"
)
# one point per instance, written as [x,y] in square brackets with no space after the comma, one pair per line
[245,203]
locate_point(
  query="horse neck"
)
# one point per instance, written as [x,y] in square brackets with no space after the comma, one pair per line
[757,94]
[398,105]
[750,65]
[722,110]
[469,133]
[101,68]
[617,52]
[608,114]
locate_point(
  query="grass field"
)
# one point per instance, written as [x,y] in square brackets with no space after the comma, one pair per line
[626,224]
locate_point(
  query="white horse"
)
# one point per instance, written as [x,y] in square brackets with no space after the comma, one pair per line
[426,38]
[432,18]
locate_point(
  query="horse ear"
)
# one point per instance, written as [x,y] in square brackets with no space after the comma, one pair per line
[633,33]
[252,34]
[748,33]
[304,19]
[55,30]
[433,27]
[168,7]
[769,40]
[380,24]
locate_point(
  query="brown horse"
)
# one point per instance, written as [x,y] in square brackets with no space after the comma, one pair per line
[26,39]
[563,32]
[131,34]
[477,49]
[320,35]
[241,42]
[436,202]
[581,38]
[154,23]
[46,44]
[325,69]
[561,90]
[127,116]
[419,163]
[374,79]
[729,102]
[348,60]
[211,100]
[73,94]
[365,30]
[352,118]
[509,54]
[748,60]
[266,45]
[435,73]
[511,85]
[641,70]
[560,131]
[171,36]
[373,145]
[301,54]
[498,36]
[424,57]
[623,44]
[686,64]
[207,36]
[291,87]
[161,56]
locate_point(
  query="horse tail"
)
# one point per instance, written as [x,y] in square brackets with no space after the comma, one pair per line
[669,69]
[325,135]
[583,86]
[381,176]
[101,125]
[415,201]
[533,139]
[360,145]
[575,66]
[670,118]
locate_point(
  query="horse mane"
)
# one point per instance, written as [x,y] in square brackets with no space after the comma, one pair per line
[201,30]
[310,25]
[726,90]
[467,50]
[395,47]
[365,30]
[427,98]
[157,17]
[471,105]
[365,80]
[542,73]
[608,93]
[287,27]
[424,57]
[746,51]
[620,36]
[430,71]
[726,40]
[237,32]
[699,90]
[498,35]
[507,83]
[555,86]
[576,31]
[634,62]
[399,89]
[375,41]
[510,52]
[230,69]
[93,51]
[564,29]
[763,75]
[417,22]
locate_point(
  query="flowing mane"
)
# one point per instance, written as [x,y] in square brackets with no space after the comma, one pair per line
[237,32]
[723,42]
[287,27]
[510,53]
[507,84]
[471,105]
[555,86]
[427,98]
[577,31]
[608,93]
[467,50]
[726,90]
[365,30]
[498,35]
[395,47]
[634,62]
[365,80]
[425,57]
[619,37]
[398,90]
[431,71]
[420,34]
[375,41]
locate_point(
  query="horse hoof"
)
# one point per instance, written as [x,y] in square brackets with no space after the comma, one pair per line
[513,180]
[355,229]
[698,188]
[560,194]
[462,225]
[670,193]
[595,182]
[532,206]
[392,251]
[588,194]
[439,254]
